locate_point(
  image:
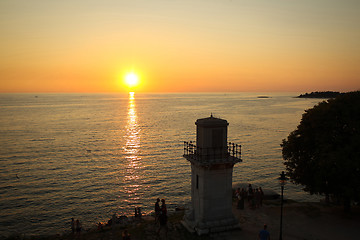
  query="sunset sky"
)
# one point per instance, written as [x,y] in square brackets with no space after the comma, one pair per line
[179,45]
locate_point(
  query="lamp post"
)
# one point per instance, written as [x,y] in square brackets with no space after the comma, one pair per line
[282,179]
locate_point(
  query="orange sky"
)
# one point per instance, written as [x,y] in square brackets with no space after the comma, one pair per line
[179,46]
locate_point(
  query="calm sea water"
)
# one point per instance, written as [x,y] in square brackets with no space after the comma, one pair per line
[89,156]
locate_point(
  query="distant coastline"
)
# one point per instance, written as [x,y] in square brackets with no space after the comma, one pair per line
[327,94]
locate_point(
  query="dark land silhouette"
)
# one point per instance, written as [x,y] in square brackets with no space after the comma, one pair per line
[327,94]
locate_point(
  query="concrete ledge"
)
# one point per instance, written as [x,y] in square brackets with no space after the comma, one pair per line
[211,227]
[186,225]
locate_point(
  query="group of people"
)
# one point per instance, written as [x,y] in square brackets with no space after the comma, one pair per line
[161,215]
[160,218]
[75,226]
[254,196]
[138,212]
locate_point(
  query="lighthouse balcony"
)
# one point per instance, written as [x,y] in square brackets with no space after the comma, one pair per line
[213,155]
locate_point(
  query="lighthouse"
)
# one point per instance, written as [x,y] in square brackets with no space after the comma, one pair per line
[212,160]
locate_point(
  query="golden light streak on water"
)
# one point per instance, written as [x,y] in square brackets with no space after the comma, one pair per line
[131,150]
[131,95]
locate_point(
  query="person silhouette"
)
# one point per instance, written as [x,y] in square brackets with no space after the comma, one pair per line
[157,210]
[163,207]
[72,225]
[264,234]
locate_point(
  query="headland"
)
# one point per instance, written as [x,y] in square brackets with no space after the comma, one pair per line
[327,94]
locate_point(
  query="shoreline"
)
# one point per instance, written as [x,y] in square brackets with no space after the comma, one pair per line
[302,220]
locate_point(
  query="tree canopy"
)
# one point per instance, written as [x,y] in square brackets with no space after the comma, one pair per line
[323,153]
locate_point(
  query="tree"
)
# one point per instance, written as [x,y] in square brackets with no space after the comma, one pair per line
[323,153]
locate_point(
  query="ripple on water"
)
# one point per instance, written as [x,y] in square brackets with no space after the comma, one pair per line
[90,156]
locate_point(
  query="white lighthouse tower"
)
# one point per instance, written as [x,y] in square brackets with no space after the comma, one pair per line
[212,159]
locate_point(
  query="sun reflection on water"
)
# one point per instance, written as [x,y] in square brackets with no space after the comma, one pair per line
[132,156]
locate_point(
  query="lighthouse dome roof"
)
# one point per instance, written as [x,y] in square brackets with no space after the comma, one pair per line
[211,122]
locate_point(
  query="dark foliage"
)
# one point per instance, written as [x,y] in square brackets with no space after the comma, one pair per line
[323,153]
[327,94]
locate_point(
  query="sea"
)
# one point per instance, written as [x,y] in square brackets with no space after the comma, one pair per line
[89,156]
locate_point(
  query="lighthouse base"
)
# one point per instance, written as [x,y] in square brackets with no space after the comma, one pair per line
[208,227]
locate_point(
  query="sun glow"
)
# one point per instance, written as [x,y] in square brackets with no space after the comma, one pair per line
[131,80]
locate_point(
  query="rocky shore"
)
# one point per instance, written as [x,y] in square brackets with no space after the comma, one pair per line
[300,221]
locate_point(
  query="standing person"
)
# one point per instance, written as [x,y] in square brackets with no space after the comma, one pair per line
[157,210]
[78,226]
[139,212]
[72,225]
[257,198]
[251,196]
[136,213]
[261,196]
[163,223]
[264,234]
[242,199]
[244,193]
[250,193]
[237,192]
[238,197]
[163,207]
[250,189]
[163,218]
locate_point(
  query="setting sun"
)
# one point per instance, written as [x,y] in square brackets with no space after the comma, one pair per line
[131,80]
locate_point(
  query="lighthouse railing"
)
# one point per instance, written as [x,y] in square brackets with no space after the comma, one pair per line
[212,154]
